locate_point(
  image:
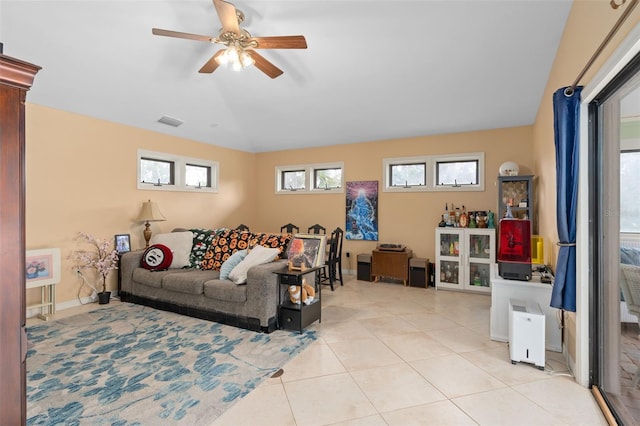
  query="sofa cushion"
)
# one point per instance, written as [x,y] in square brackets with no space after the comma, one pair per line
[279,241]
[225,290]
[224,245]
[180,244]
[188,281]
[232,262]
[257,256]
[150,278]
[202,239]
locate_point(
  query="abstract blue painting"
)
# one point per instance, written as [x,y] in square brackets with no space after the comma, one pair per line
[362,210]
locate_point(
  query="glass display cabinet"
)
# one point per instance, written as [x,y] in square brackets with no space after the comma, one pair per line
[464,257]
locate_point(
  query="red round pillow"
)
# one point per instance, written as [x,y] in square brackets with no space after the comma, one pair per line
[157,257]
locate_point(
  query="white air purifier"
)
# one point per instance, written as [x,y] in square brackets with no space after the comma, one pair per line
[526,333]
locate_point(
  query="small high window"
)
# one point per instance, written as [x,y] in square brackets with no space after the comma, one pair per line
[293,180]
[454,173]
[408,174]
[327,178]
[309,178]
[458,172]
[157,172]
[167,172]
[198,176]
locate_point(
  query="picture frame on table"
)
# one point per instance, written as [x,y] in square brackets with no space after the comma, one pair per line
[123,243]
[42,267]
[306,251]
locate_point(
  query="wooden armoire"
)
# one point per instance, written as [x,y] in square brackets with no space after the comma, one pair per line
[16,77]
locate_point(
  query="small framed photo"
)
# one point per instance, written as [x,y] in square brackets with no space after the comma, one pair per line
[306,251]
[42,267]
[123,243]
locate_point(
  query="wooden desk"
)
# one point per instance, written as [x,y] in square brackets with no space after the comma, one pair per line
[391,264]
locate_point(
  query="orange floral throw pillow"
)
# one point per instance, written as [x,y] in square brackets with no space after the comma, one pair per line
[279,241]
[224,245]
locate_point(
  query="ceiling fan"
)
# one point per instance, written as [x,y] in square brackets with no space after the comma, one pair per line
[240,45]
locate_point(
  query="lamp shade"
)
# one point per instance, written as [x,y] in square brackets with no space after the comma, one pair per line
[150,213]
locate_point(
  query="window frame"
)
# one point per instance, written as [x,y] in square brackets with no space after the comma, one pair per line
[179,170]
[309,181]
[431,163]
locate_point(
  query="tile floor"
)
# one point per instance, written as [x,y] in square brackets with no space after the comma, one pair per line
[393,355]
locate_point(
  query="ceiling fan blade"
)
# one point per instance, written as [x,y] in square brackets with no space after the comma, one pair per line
[211,65]
[227,15]
[177,34]
[265,66]
[281,42]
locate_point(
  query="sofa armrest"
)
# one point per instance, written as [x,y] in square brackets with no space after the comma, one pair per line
[262,288]
[128,263]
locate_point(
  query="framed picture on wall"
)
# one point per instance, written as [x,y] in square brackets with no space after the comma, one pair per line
[123,243]
[42,267]
[362,210]
[306,251]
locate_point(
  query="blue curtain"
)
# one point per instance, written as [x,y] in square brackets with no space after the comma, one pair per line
[566,116]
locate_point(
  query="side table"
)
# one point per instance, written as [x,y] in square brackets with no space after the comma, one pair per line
[391,264]
[294,316]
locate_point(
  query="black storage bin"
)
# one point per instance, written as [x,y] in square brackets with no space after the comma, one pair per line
[364,267]
[418,272]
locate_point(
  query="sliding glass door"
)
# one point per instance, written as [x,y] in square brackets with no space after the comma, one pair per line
[615,228]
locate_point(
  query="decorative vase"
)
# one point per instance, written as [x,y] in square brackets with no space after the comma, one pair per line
[103,297]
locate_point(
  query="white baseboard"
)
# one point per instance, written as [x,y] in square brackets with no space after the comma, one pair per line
[34,312]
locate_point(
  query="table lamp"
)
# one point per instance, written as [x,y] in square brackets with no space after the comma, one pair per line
[149,213]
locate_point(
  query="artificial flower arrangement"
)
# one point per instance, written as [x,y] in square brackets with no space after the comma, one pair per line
[100,257]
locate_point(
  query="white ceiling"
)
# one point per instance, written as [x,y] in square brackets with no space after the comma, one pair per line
[373,70]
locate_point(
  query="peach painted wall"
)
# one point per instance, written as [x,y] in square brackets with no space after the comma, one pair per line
[407,218]
[81,176]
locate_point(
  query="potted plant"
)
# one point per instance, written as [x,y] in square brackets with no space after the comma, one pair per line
[100,257]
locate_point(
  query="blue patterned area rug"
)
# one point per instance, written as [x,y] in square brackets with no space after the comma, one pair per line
[133,365]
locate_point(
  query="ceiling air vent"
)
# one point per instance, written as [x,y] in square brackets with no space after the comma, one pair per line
[165,119]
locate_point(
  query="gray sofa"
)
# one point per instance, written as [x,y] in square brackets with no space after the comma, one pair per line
[202,294]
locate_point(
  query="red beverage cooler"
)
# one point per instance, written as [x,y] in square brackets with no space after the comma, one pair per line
[514,249]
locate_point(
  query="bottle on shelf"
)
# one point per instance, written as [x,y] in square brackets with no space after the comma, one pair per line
[452,216]
[464,219]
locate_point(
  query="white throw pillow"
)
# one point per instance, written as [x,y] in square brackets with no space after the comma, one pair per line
[257,256]
[180,244]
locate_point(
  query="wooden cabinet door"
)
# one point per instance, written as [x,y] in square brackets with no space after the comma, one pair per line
[15,79]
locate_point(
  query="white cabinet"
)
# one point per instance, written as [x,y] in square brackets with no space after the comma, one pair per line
[532,291]
[464,257]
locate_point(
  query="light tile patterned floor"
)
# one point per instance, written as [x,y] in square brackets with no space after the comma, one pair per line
[394,355]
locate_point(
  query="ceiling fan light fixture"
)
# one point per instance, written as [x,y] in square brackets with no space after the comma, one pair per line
[235,57]
[246,59]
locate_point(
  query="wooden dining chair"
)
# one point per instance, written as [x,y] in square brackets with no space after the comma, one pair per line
[332,270]
[289,228]
[317,229]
